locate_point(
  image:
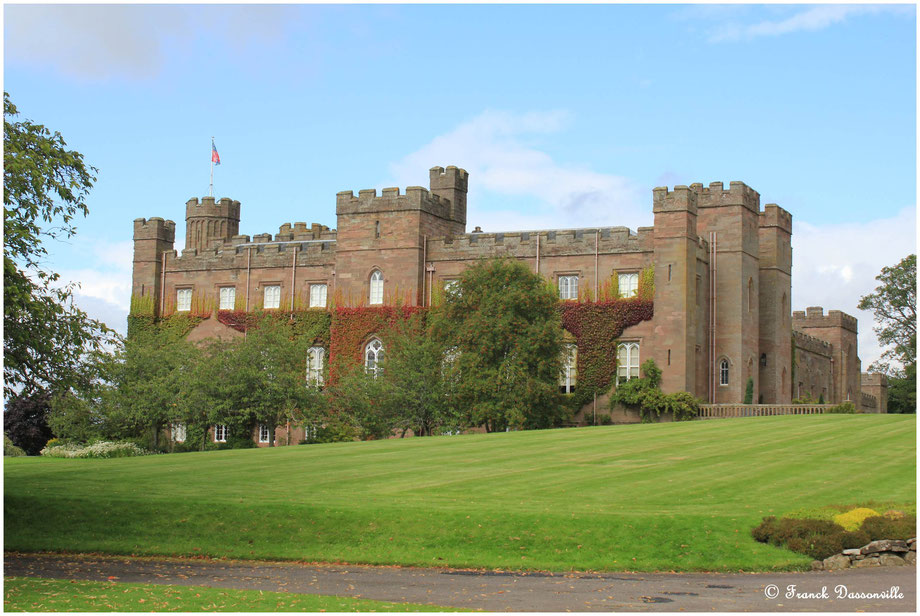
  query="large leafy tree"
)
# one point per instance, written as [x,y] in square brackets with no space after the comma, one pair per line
[46,338]
[502,325]
[26,422]
[894,304]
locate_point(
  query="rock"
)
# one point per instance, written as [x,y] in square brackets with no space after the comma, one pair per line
[910,558]
[891,560]
[884,545]
[912,540]
[837,561]
[851,552]
[817,565]
[867,562]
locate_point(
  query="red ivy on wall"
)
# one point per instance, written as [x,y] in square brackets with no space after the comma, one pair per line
[351,327]
[596,326]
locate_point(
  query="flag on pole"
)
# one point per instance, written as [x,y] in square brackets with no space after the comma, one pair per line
[215,157]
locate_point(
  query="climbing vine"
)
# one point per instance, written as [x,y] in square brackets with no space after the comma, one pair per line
[596,327]
[352,326]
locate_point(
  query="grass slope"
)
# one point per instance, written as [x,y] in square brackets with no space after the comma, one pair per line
[43,595]
[646,497]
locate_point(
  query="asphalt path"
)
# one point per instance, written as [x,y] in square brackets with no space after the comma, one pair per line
[885,589]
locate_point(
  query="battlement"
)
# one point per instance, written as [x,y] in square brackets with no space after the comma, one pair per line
[300,231]
[775,216]
[814,316]
[876,379]
[154,228]
[415,199]
[225,208]
[715,195]
[681,199]
[552,242]
[452,177]
[811,344]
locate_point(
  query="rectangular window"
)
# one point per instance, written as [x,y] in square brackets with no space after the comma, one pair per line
[317,296]
[178,432]
[568,287]
[272,297]
[569,372]
[315,359]
[452,287]
[227,298]
[627,361]
[183,300]
[220,433]
[629,284]
[263,434]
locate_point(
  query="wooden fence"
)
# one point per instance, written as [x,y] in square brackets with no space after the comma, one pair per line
[720,411]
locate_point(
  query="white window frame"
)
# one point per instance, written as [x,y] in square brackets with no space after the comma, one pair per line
[374,349]
[318,295]
[724,372]
[631,368]
[452,287]
[179,432]
[316,359]
[183,300]
[628,284]
[264,434]
[271,297]
[220,433]
[569,374]
[227,298]
[568,286]
[375,296]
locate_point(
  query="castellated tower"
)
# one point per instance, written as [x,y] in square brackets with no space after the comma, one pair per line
[775,300]
[209,223]
[451,184]
[839,329]
[152,238]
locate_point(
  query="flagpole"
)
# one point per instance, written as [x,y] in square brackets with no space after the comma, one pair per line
[211,186]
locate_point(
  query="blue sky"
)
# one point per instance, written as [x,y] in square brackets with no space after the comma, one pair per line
[564,115]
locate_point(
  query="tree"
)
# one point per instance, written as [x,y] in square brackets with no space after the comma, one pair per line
[502,324]
[26,422]
[749,392]
[894,304]
[46,338]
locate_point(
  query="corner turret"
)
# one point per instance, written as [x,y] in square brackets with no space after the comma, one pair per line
[210,223]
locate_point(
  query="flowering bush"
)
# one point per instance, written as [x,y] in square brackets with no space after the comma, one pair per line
[103,449]
[853,519]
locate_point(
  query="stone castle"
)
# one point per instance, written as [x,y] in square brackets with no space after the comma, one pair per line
[722,279]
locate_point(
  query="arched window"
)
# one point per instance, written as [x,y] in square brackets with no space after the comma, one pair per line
[627,361]
[373,357]
[315,359]
[723,372]
[569,364]
[376,294]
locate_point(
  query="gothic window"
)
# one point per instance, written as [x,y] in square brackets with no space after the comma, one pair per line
[627,361]
[183,300]
[316,357]
[568,287]
[452,287]
[373,357]
[628,284]
[227,298]
[376,295]
[272,295]
[220,433]
[179,432]
[723,372]
[318,296]
[569,365]
[263,434]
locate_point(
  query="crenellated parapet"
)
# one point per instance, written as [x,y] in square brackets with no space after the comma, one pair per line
[814,316]
[367,201]
[738,193]
[562,242]
[681,199]
[300,231]
[811,344]
[154,228]
[775,216]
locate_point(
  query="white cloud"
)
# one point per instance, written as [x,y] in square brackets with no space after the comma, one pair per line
[496,148]
[836,264]
[810,19]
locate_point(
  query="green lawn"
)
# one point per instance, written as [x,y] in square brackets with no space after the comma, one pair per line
[43,595]
[645,497]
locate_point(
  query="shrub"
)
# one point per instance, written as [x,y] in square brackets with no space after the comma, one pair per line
[104,449]
[851,520]
[820,547]
[749,391]
[854,539]
[880,527]
[11,450]
[645,395]
[845,408]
